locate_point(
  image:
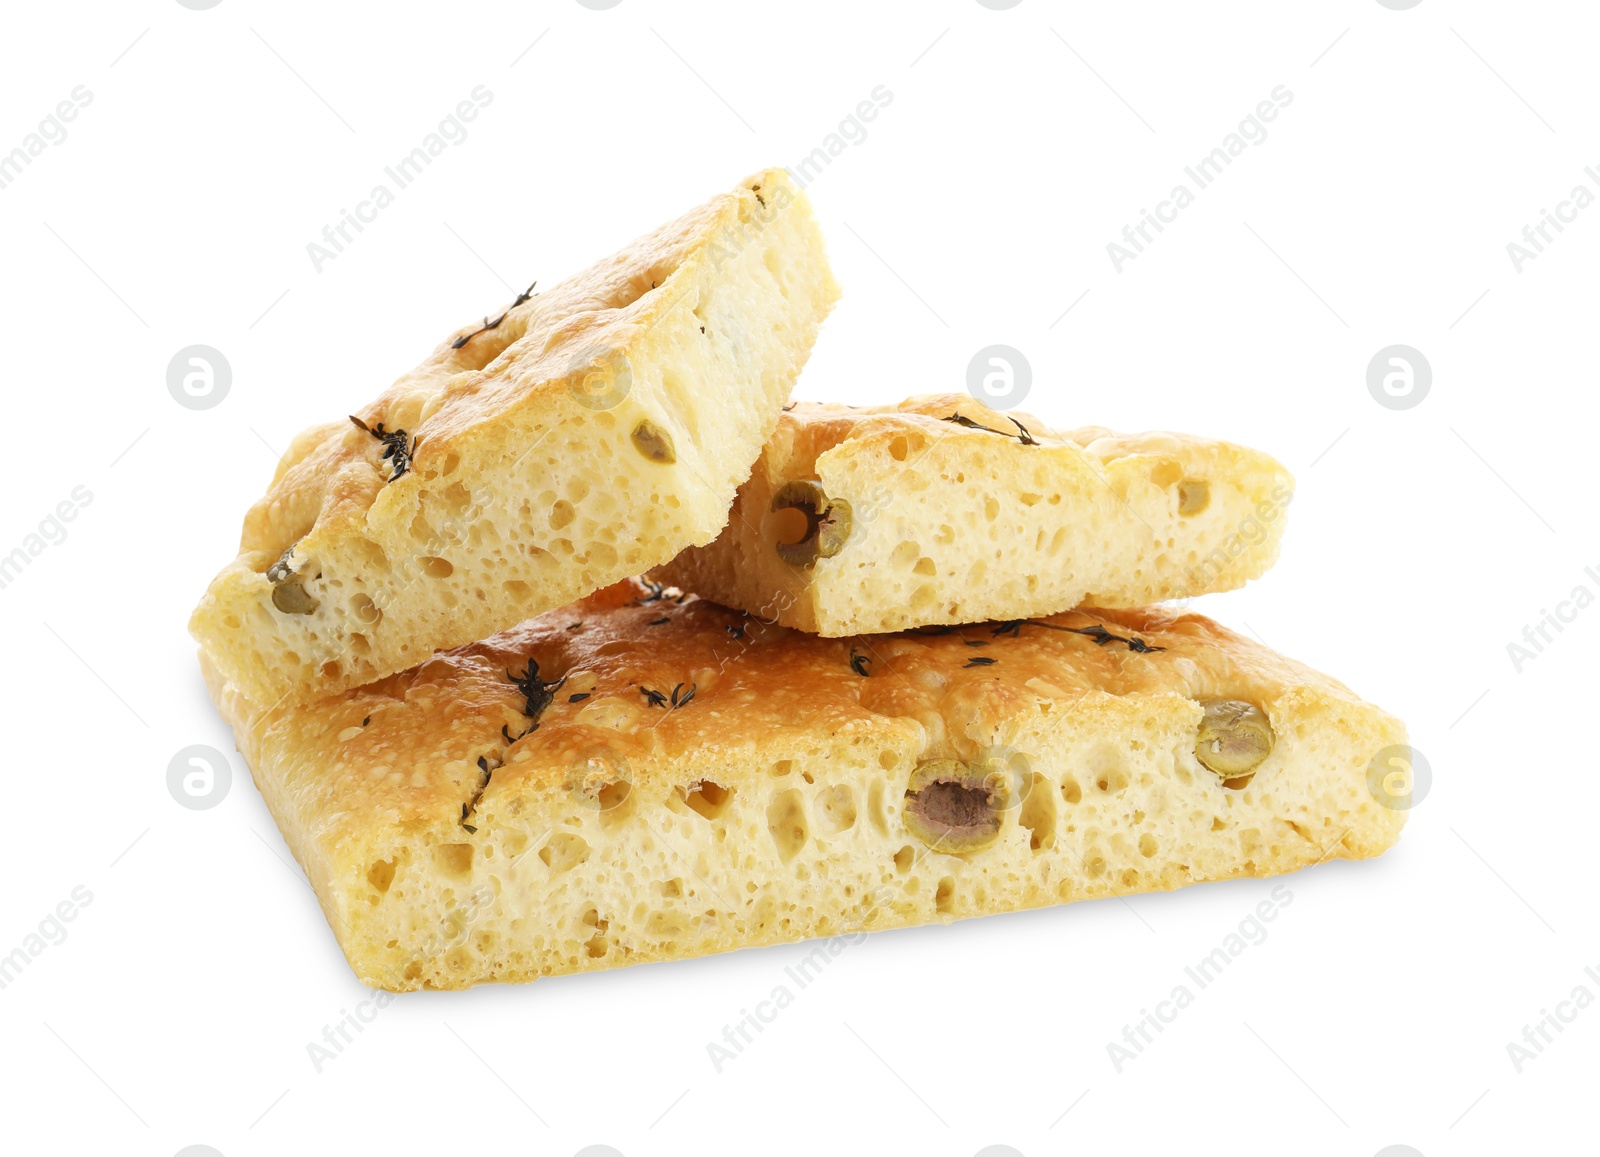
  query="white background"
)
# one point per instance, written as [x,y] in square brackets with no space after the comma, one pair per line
[977,210]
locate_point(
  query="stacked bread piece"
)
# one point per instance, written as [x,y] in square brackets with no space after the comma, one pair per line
[888,666]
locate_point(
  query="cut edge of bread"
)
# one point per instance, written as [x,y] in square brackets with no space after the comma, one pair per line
[966,523]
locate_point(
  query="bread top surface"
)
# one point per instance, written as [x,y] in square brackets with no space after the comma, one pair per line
[334,473]
[808,431]
[401,754]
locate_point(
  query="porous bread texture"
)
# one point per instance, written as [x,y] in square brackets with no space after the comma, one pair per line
[956,524]
[532,480]
[770,804]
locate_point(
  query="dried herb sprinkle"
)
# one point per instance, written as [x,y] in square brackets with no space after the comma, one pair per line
[396,449]
[1098,633]
[495,324]
[472,805]
[679,697]
[1022,435]
[536,693]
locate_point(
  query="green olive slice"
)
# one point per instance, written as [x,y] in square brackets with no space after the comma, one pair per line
[1234,738]
[291,598]
[952,807]
[288,588]
[654,442]
[1194,495]
[283,568]
[828,522]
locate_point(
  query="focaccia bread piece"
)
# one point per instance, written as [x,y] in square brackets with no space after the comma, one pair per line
[585,434]
[649,776]
[941,510]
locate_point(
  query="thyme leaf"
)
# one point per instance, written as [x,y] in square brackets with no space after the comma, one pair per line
[396,449]
[472,805]
[495,324]
[679,698]
[1098,633]
[1022,435]
[536,694]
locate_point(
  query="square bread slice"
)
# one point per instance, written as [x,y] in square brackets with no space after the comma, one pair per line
[585,434]
[941,510]
[650,776]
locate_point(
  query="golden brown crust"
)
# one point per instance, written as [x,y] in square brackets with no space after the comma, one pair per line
[808,430]
[769,687]
[697,332]
[333,472]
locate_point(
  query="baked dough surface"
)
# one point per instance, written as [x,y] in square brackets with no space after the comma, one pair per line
[701,780]
[586,433]
[994,516]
